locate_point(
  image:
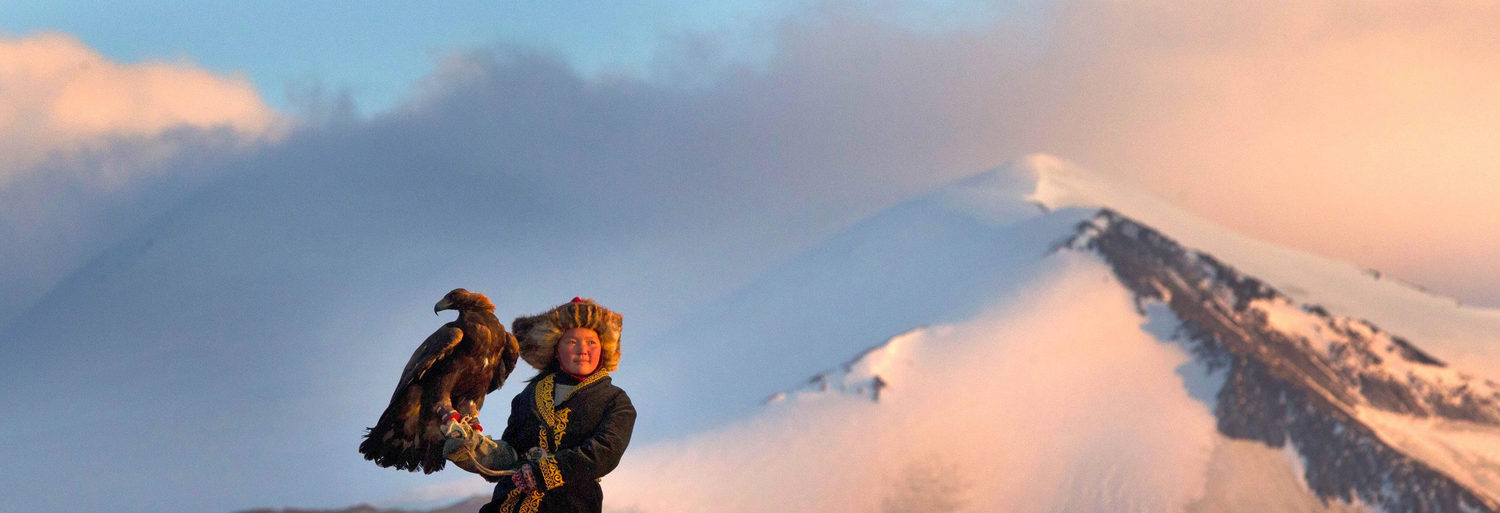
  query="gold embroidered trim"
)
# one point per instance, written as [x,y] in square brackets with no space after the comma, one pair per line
[554,418]
[550,475]
[562,425]
[527,502]
[510,501]
[532,503]
[546,387]
[593,378]
[543,400]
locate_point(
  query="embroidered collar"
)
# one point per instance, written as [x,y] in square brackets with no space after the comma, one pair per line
[544,397]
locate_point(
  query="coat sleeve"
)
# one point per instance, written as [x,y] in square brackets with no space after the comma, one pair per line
[600,453]
[519,408]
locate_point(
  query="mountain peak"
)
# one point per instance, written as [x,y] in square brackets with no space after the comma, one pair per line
[1018,188]
[1041,182]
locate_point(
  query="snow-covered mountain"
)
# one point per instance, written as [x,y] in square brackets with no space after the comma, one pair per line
[1083,356]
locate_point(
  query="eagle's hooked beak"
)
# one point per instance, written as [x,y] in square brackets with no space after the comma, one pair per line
[441,305]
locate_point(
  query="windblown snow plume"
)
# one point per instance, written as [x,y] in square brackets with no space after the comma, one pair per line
[1058,401]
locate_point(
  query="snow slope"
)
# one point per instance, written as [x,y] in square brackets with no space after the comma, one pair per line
[942,257]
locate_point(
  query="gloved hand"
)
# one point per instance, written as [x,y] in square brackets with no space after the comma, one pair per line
[472,451]
[524,478]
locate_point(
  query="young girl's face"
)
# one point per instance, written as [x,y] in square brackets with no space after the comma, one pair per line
[578,351]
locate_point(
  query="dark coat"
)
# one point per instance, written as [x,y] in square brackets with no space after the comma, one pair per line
[585,436]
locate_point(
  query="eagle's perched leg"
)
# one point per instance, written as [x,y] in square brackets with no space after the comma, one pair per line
[466,414]
[440,397]
[436,398]
[469,413]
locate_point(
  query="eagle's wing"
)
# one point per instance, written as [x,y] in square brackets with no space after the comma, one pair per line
[510,349]
[437,346]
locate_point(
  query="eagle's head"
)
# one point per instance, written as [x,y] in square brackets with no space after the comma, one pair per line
[461,299]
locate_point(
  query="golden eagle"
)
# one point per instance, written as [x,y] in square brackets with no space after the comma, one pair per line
[448,375]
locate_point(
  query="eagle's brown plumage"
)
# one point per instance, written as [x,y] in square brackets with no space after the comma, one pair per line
[450,372]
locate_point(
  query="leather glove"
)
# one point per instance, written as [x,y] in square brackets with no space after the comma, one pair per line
[470,450]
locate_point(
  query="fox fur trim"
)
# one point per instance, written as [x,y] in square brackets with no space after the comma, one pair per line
[538,334]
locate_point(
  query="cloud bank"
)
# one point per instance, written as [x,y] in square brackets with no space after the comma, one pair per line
[1355,130]
[1358,131]
[63,97]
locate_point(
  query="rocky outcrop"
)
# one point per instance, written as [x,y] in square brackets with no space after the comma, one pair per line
[1301,386]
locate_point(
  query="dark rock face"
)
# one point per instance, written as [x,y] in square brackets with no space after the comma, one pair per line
[1283,387]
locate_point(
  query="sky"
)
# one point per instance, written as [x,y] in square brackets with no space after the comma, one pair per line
[371,51]
[683,148]
[1354,130]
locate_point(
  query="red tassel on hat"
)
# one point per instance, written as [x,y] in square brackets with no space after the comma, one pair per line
[576,299]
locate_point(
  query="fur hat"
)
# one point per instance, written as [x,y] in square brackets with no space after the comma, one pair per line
[539,333]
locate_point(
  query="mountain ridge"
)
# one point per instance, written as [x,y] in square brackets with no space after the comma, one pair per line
[1326,375]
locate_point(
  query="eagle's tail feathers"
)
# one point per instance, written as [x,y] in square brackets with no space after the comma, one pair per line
[433,460]
[388,447]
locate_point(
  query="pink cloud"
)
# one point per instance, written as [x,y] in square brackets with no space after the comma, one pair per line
[62,96]
[1362,131]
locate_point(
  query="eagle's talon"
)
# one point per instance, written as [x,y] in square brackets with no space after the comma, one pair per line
[453,429]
